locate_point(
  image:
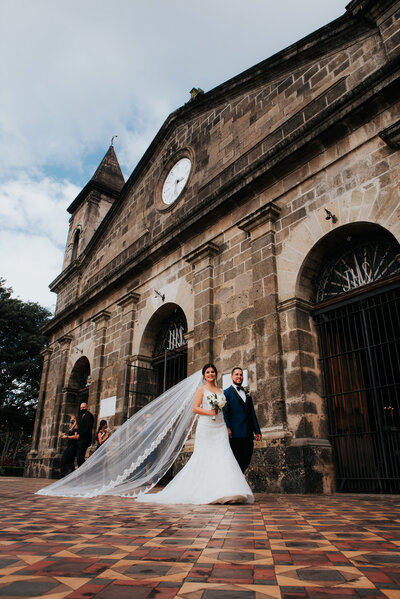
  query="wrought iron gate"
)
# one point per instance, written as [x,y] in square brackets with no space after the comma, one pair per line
[171,368]
[360,356]
[143,384]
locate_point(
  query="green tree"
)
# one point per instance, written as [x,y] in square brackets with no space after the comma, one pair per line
[21,341]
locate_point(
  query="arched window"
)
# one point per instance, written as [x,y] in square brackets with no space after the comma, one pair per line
[360,265]
[171,335]
[75,245]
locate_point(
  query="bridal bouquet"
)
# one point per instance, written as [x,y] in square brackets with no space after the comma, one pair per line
[216,402]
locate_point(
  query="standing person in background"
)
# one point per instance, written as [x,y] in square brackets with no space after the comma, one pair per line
[68,456]
[102,433]
[240,419]
[85,427]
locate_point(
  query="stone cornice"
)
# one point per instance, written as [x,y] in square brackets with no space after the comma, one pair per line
[261,221]
[65,340]
[310,442]
[131,298]
[294,302]
[189,335]
[206,251]
[391,135]
[72,269]
[139,358]
[92,186]
[369,10]
[101,318]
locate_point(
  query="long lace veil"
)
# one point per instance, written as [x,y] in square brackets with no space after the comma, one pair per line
[140,452]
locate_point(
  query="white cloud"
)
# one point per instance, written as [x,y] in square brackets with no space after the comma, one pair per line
[79,72]
[33,230]
[37,207]
[88,70]
[28,276]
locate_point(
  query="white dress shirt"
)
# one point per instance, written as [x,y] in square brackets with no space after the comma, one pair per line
[241,393]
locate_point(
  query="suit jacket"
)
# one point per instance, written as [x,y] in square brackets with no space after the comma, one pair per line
[240,416]
[85,427]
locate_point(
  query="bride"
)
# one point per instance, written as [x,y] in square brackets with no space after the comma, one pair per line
[141,451]
[212,475]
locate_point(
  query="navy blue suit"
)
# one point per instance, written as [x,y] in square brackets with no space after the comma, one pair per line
[241,418]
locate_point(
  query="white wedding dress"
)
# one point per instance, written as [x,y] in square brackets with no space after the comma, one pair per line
[212,475]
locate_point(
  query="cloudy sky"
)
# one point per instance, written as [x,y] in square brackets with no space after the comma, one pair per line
[76,72]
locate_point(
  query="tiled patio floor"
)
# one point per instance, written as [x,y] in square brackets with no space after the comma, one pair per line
[281,547]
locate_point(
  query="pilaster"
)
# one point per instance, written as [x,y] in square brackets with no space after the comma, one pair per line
[100,321]
[64,343]
[301,380]
[46,353]
[127,305]
[202,262]
[260,226]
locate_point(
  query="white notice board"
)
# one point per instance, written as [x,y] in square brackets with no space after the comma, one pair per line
[107,407]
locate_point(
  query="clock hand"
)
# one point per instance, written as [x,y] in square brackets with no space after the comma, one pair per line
[176,184]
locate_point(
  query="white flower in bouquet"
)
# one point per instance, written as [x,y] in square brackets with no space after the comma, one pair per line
[216,402]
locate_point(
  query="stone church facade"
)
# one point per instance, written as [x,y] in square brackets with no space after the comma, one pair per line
[260,228]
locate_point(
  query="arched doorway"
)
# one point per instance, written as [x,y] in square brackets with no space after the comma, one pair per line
[169,359]
[357,314]
[162,362]
[78,386]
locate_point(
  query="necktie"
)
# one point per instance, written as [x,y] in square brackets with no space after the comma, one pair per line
[240,388]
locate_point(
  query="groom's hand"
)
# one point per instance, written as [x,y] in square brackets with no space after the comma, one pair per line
[258,437]
[229,432]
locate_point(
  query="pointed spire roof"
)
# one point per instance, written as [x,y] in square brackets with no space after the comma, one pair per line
[108,178]
[109,172]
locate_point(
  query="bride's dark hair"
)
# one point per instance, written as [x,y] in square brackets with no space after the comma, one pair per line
[203,370]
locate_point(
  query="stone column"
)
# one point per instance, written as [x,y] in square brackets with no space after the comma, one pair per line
[100,321]
[127,305]
[31,466]
[201,261]
[309,450]
[64,343]
[46,353]
[268,352]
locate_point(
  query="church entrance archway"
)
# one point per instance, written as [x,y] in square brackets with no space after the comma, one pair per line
[357,314]
[162,362]
[77,390]
[169,359]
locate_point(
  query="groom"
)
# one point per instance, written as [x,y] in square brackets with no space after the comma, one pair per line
[240,419]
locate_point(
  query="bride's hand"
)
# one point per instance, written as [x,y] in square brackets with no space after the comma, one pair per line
[213,412]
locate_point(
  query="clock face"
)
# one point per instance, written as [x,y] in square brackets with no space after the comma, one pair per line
[176,180]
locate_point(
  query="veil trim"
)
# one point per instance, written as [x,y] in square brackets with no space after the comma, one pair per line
[139,453]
